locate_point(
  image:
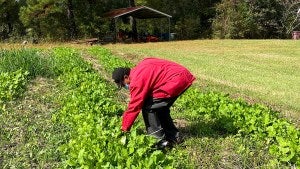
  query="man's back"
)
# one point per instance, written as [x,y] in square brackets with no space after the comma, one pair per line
[160,77]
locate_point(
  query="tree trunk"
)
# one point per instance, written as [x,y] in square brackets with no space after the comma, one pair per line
[72,26]
[133,26]
[131,3]
[9,23]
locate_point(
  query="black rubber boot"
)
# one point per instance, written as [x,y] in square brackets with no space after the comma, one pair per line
[163,144]
[153,124]
[171,132]
[158,122]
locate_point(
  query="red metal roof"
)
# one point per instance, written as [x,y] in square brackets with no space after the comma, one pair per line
[140,12]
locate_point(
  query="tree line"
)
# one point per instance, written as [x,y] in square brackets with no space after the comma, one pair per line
[63,20]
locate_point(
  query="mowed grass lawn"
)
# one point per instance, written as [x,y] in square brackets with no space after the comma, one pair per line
[259,71]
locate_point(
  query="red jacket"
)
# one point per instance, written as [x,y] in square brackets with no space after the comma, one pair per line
[155,78]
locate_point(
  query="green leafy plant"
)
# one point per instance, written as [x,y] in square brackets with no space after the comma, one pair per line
[12,85]
[107,60]
[91,112]
[256,121]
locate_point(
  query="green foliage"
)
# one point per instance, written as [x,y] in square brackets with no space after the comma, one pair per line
[69,19]
[10,24]
[190,19]
[187,28]
[67,59]
[290,16]
[107,60]
[255,19]
[35,62]
[89,110]
[12,85]
[268,17]
[88,16]
[234,20]
[29,138]
[255,121]
[44,18]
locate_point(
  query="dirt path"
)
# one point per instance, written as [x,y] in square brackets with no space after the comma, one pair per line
[29,138]
[96,66]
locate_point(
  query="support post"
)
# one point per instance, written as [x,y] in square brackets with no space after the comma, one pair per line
[116,34]
[169,28]
[161,31]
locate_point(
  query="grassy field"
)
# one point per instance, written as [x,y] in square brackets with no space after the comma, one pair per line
[260,71]
[30,137]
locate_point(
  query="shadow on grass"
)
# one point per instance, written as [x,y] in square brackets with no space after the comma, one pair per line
[199,128]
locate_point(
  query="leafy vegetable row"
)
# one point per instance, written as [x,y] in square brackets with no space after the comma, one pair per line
[256,121]
[16,67]
[12,84]
[107,60]
[91,113]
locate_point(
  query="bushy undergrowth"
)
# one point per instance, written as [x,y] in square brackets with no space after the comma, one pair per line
[89,109]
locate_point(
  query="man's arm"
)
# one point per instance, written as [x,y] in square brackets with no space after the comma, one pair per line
[137,97]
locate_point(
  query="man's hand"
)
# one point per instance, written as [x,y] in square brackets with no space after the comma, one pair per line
[123,140]
[124,131]
[124,137]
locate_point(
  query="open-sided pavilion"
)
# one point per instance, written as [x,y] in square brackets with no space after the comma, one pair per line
[138,12]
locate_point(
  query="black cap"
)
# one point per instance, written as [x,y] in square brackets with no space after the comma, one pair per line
[118,75]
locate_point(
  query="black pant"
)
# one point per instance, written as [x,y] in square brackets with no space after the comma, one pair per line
[156,114]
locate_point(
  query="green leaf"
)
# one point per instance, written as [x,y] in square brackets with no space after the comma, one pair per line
[123,140]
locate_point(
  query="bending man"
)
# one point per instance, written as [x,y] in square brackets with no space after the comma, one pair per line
[154,86]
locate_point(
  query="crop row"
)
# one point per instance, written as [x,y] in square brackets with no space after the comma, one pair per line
[92,115]
[29,138]
[91,112]
[257,122]
[16,68]
[108,61]
[12,84]
[36,62]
